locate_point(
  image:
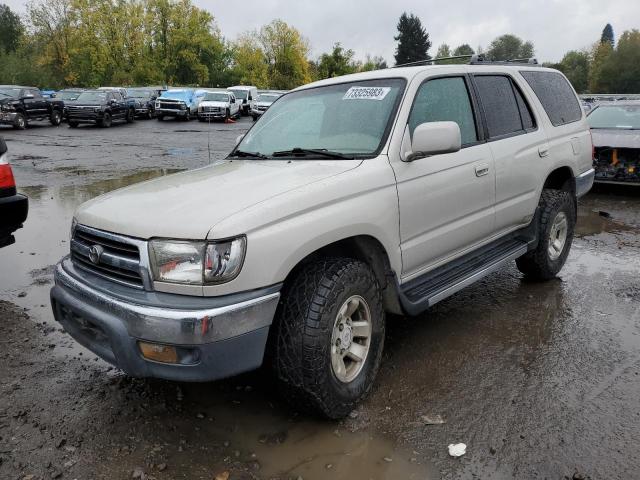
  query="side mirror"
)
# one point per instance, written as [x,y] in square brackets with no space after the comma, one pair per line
[53,95]
[250,98]
[3,147]
[434,138]
[233,100]
[28,96]
[239,138]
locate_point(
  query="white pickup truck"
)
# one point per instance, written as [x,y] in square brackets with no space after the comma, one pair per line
[351,197]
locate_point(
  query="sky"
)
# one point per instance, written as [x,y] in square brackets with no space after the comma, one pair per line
[368,26]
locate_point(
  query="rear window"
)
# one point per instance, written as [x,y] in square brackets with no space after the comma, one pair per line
[555,95]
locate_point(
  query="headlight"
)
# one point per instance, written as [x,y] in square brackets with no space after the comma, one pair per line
[97,109]
[8,108]
[183,106]
[196,263]
[157,104]
[74,222]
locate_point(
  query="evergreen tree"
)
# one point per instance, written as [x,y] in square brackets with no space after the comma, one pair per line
[413,40]
[607,35]
[11,29]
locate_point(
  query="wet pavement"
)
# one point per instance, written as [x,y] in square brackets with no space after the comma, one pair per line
[540,380]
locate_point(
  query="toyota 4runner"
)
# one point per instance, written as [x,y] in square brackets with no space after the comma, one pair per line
[384,191]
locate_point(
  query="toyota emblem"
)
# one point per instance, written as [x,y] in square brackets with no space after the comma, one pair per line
[95,252]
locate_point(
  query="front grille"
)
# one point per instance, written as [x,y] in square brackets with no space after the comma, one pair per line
[119,258]
[170,105]
[74,109]
[211,109]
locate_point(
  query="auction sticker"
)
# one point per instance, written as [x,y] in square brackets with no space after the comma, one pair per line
[366,93]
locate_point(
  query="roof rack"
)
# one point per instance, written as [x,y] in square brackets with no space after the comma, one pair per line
[480,59]
[475,59]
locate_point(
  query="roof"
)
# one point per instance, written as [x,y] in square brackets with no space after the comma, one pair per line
[408,73]
[242,87]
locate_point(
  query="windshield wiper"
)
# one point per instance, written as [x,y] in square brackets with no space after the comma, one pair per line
[242,153]
[297,151]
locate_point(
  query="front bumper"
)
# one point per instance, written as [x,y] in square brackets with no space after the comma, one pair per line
[84,117]
[207,115]
[171,113]
[256,112]
[8,118]
[584,182]
[224,338]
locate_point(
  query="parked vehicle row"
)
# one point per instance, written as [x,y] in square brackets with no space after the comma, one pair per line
[20,105]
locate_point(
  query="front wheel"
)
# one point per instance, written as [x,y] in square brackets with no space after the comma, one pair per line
[20,122]
[106,120]
[328,336]
[56,118]
[556,224]
[131,115]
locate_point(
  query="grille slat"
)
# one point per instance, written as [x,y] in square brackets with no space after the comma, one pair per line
[119,260]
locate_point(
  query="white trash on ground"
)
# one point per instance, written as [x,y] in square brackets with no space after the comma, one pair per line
[457,449]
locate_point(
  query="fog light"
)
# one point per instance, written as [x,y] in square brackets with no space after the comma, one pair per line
[158,352]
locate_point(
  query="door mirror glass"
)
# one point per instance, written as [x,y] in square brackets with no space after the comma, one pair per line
[3,147]
[434,138]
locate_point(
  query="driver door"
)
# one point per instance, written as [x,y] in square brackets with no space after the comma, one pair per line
[446,201]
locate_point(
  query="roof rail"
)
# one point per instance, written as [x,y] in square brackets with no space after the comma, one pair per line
[430,61]
[480,59]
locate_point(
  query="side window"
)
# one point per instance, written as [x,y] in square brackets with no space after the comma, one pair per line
[525,110]
[500,106]
[555,95]
[445,99]
[36,94]
[117,96]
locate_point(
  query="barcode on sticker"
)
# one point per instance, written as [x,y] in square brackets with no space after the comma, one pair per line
[366,93]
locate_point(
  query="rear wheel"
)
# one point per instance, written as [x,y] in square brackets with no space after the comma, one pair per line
[56,118]
[557,220]
[20,122]
[106,120]
[329,336]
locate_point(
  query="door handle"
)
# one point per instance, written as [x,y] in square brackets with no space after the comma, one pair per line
[543,152]
[482,170]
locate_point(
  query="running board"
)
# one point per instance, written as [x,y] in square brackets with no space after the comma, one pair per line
[425,291]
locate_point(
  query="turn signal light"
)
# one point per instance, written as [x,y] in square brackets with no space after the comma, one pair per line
[158,352]
[6,176]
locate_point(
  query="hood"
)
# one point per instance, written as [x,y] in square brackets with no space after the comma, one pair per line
[187,205]
[264,104]
[77,103]
[180,96]
[210,103]
[616,138]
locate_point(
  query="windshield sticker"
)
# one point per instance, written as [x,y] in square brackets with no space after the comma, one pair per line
[366,93]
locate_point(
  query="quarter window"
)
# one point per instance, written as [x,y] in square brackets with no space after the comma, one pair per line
[445,99]
[555,95]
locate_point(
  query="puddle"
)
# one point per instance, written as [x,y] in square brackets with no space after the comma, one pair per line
[592,222]
[178,152]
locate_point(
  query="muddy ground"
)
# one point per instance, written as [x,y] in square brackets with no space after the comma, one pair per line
[539,380]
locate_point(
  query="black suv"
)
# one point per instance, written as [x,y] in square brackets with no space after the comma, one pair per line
[100,107]
[20,105]
[13,206]
[146,100]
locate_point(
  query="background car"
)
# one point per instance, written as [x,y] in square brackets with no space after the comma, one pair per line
[246,95]
[264,101]
[146,101]
[218,105]
[100,107]
[14,207]
[69,94]
[615,129]
[177,103]
[20,105]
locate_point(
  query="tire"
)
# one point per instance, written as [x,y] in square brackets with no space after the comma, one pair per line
[303,337]
[20,122]
[150,114]
[548,258]
[56,118]
[106,120]
[227,115]
[255,118]
[131,115]
[73,124]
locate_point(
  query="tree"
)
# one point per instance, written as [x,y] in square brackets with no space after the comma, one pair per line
[373,63]
[286,52]
[11,29]
[509,47]
[575,65]
[607,35]
[620,70]
[413,40]
[599,55]
[338,62]
[250,65]
[464,49]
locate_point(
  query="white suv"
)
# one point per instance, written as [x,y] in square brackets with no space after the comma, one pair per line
[378,192]
[216,105]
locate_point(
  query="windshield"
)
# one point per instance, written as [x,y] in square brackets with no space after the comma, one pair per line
[241,94]
[624,117]
[268,97]
[349,118]
[10,92]
[92,97]
[140,93]
[216,97]
[180,94]
[67,95]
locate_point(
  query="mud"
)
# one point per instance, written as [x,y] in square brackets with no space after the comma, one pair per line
[540,380]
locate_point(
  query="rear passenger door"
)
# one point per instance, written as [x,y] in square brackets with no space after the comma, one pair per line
[446,201]
[517,143]
[118,108]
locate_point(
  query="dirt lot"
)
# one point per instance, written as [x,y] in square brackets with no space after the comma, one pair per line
[539,380]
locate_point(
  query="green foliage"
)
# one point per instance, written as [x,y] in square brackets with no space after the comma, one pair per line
[599,56]
[575,65]
[620,69]
[338,62]
[607,35]
[11,29]
[464,49]
[286,52]
[413,40]
[373,63]
[509,47]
